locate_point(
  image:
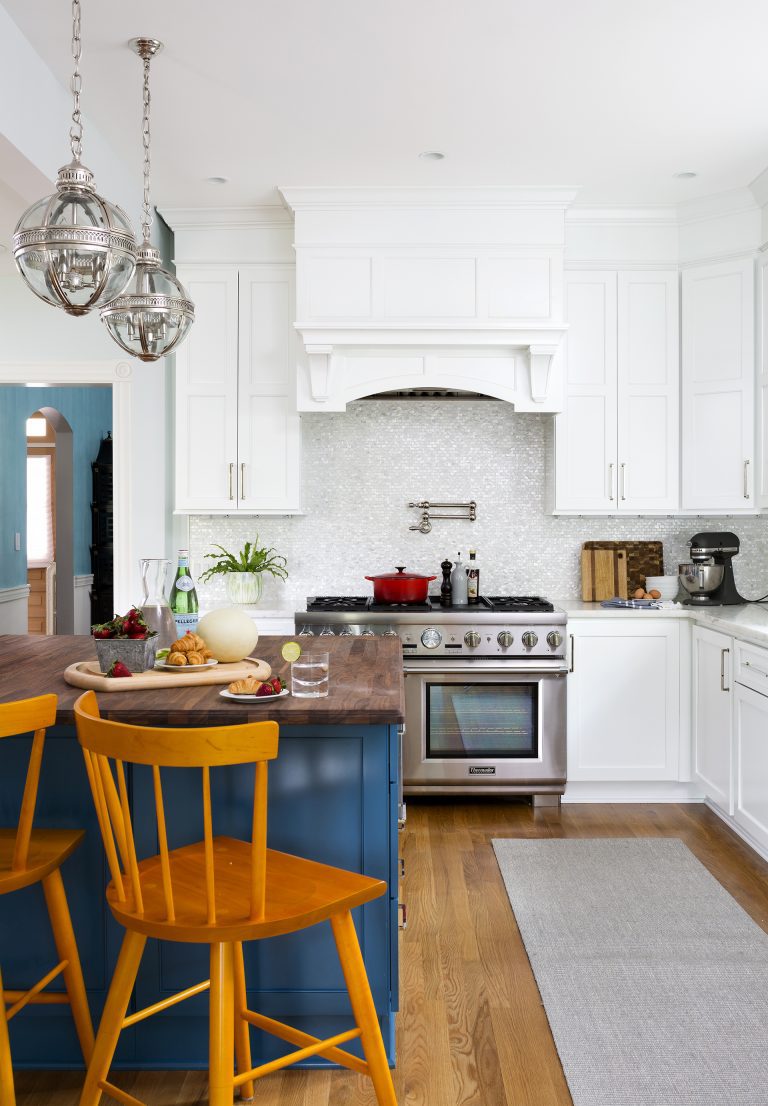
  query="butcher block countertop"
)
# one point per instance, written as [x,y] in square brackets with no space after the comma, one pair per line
[366,685]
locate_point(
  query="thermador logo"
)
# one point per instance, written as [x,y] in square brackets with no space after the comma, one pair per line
[482,769]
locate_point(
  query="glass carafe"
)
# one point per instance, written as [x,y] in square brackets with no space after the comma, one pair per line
[155,608]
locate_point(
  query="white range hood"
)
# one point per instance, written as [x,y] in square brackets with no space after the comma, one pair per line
[457,288]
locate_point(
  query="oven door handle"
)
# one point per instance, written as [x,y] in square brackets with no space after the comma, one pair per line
[534,671]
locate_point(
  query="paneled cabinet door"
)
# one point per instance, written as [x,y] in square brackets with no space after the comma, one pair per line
[712,715]
[624,700]
[585,433]
[648,391]
[762,389]
[206,394]
[718,455]
[616,443]
[751,733]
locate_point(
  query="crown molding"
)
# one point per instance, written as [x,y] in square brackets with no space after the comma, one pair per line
[218,218]
[659,215]
[719,205]
[759,188]
[483,198]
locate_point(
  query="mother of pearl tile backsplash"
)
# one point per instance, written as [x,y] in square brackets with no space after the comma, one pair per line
[360,469]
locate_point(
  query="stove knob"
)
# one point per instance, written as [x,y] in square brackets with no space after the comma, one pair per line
[554,639]
[505,639]
[472,639]
[345,632]
[367,633]
[530,639]
[431,638]
[391,633]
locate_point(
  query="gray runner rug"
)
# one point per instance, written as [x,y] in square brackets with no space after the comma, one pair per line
[654,980]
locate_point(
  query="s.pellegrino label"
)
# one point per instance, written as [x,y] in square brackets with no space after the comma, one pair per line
[183,600]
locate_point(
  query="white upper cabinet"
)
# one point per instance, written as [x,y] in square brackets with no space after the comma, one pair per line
[762,395]
[616,444]
[718,454]
[237,429]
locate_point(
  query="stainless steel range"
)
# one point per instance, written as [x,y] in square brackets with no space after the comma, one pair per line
[485,690]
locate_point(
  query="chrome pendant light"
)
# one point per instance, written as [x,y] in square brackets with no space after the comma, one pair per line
[74,249]
[153,315]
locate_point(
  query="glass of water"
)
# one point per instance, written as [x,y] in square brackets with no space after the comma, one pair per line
[309,676]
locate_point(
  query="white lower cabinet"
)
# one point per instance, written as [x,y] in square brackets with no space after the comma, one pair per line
[624,700]
[712,715]
[750,721]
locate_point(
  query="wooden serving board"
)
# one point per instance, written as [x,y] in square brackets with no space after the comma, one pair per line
[87,674]
[642,559]
[603,574]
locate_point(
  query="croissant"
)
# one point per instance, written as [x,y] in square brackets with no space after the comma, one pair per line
[176,658]
[247,686]
[183,644]
[195,658]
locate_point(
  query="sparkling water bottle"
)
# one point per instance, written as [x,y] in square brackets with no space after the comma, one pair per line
[183,599]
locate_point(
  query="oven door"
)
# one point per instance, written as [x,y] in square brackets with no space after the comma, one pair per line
[473,725]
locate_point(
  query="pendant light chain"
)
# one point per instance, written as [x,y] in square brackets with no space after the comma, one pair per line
[76,85]
[146,222]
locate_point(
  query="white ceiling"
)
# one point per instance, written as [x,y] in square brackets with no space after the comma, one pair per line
[612,96]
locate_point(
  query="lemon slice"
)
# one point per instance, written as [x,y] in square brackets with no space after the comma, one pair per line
[291,651]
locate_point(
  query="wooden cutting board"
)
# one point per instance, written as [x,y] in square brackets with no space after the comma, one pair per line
[643,559]
[87,674]
[603,574]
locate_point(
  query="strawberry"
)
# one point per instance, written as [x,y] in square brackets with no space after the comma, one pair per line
[137,635]
[117,669]
[277,684]
[266,689]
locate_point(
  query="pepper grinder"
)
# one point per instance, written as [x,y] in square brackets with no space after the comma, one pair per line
[446,591]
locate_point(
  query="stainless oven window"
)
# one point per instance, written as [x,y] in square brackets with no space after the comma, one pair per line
[482,720]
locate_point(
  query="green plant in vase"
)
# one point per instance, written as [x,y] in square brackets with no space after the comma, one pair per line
[243,572]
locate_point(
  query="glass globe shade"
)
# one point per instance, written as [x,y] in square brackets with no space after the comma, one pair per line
[153,315]
[74,249]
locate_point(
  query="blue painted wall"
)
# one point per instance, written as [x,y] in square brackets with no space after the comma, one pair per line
[89,412]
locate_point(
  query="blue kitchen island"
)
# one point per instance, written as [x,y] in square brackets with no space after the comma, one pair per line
[333,797]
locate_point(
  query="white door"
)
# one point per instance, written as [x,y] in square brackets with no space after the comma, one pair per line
[586,477]
[269,435]
[648,391]
[712,715]
[751,732]
[718,375]
[206,394]
[624,700]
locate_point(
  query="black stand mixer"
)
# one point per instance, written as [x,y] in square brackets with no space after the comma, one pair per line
[708,578]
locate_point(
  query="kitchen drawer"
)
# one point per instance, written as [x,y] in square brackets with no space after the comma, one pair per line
[751,667]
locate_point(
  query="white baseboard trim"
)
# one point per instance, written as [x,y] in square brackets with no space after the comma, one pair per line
[745,835]
[632,791]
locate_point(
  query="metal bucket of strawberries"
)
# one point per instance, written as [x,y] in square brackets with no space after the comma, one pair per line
[125,644]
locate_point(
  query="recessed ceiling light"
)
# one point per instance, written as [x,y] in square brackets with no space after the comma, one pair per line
[687,174]
[431,155]
[218,180]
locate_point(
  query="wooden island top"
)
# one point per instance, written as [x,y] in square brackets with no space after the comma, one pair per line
[366,685]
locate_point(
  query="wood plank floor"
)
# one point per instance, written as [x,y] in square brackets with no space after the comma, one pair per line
[471,1031]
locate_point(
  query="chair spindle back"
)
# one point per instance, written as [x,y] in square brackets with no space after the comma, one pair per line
[108,746]
[20,717]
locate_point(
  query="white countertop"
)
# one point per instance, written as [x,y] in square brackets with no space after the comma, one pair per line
[748,621]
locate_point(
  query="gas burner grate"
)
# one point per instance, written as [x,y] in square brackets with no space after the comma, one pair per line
[521,604]
[338,603]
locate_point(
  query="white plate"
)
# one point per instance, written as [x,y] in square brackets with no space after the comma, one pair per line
[226,694]
[184,667]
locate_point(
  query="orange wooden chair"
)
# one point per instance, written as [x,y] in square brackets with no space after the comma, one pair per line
[219,891]
[30,856]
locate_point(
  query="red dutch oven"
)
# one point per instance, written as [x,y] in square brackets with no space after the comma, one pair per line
[400,586]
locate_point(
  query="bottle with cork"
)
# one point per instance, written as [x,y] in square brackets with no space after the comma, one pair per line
[473,578]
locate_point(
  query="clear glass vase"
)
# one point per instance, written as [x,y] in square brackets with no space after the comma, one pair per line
[244,587]
[155,608]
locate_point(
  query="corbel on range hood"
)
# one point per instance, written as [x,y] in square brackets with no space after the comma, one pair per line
[413,288]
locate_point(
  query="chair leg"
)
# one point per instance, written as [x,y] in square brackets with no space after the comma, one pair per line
[221,1089]
[66,946]
[362,1007]
[7,1094]
[242,1032]
[112,1019]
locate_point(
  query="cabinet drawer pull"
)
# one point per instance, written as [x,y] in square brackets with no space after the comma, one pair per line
[231,475]
[623,480]
[242,479]
[611,467]
[746,479]
[760,671]
[722,670]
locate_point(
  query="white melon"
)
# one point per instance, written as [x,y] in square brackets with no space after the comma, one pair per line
[229,633]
